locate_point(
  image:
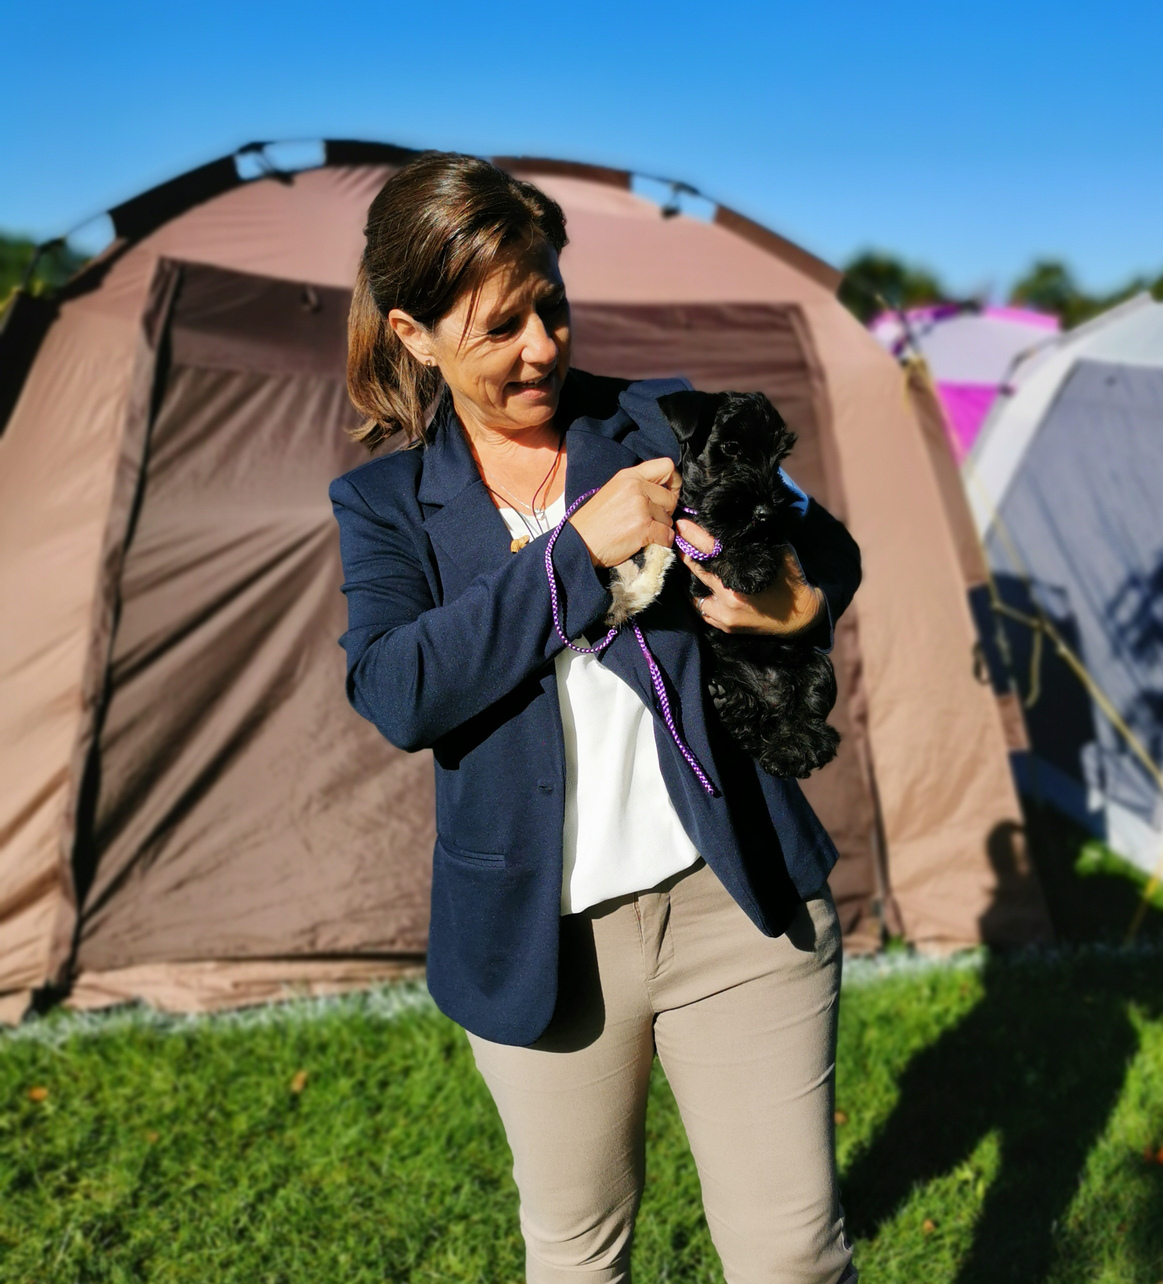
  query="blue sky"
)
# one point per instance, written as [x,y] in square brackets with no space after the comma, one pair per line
[967,136]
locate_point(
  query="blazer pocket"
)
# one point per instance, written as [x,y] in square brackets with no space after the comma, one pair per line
[492,927]
[477,859]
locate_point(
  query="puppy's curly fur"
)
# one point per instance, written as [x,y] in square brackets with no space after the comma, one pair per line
[772,694]
[636,582]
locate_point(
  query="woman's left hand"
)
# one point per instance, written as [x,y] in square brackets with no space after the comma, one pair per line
[788,605]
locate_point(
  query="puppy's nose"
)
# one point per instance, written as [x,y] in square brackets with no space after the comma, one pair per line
[762,512]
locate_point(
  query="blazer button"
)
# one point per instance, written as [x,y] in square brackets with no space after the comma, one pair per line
[546,786]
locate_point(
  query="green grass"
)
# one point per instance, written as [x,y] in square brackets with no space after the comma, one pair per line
[996,1111]
[996,1114]
[1009,1108]
[1096,858]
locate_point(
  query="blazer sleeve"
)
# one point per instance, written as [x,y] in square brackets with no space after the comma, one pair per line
[417,669]
[830,558]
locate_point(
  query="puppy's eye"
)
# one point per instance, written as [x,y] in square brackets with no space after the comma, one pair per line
[730,449]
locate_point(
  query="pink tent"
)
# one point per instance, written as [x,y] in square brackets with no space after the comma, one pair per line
[970,352]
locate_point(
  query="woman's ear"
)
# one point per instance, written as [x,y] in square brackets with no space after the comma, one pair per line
[414,336]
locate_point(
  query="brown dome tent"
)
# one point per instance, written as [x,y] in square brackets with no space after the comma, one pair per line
[190,812]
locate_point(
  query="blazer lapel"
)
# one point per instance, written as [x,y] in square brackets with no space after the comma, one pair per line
[591,460]
[470,534]
[466,530]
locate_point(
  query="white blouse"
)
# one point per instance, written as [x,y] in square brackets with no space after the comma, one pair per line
[622,833]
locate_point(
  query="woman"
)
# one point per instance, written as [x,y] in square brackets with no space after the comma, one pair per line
[592,901]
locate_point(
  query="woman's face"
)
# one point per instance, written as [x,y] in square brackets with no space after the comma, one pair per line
[506,370]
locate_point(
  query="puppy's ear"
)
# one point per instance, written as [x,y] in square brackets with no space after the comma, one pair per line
[691,415]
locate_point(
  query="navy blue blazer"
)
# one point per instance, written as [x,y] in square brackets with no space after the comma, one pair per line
[450,646]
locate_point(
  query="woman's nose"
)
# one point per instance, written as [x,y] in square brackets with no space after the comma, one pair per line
[540,346]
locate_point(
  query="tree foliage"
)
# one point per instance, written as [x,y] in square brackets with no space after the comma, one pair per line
[875,281]
[1049,286]
[53,268]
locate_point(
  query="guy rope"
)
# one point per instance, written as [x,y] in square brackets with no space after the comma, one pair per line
[1040,625]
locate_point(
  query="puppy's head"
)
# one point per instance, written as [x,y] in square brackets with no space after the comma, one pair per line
[731,446]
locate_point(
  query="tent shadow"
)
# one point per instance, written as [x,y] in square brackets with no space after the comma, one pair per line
[1040,1062]
[1091,907]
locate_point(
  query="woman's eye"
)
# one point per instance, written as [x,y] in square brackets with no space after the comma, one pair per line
[505,328]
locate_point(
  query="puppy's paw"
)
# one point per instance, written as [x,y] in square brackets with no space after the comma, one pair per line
[635,583]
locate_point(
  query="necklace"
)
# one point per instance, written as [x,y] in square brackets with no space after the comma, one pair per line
[540,522]
[538,526]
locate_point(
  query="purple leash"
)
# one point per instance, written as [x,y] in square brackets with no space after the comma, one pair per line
[664,704]
[656,678]
[685,546]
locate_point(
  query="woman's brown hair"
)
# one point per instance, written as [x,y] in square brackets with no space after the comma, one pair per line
[434,232]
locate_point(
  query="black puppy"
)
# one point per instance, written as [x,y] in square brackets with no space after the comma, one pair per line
[772,694]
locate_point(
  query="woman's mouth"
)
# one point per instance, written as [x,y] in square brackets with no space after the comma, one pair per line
[544,384]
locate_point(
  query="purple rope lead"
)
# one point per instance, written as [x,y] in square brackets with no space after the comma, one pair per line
[551,575]
[667,717]
[685,546]
[656,678]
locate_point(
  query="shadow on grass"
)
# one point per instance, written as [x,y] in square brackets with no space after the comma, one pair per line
[1093,907]
[1041,1062]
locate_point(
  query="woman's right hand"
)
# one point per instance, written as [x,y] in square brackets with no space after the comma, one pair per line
[633,509]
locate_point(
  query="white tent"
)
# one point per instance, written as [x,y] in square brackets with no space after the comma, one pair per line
[1066,488]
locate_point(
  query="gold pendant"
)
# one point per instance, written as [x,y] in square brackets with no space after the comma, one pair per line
[519,543]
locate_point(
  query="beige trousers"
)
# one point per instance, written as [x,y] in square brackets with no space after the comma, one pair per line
[745,1028]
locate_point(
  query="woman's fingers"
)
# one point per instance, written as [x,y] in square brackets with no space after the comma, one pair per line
[660,471]
[662,496]
[697,571]
[660,506]
[714,613]
[783,609]
[712,581]
[632,509]
[660,513]
[724,609]
[694,534]
[660,533]
[724,616]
